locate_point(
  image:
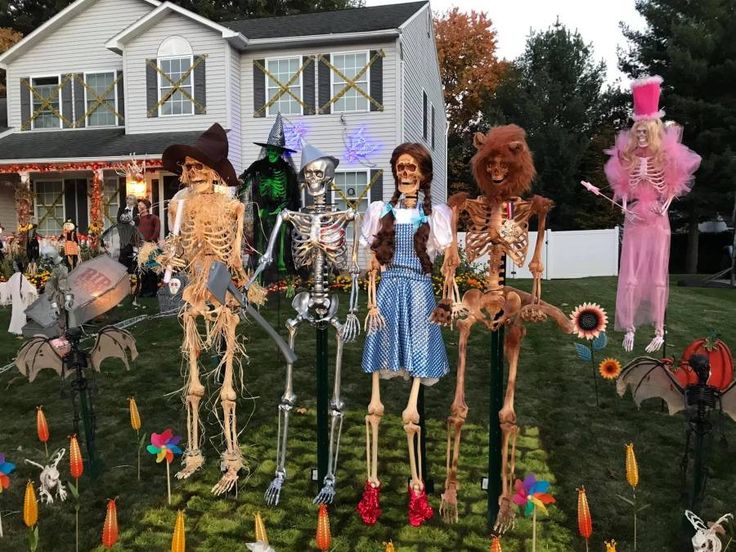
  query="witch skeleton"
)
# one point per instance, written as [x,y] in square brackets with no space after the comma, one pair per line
[648,169]
[404,238]
[319,243]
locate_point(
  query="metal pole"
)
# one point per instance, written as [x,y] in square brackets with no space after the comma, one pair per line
[323,441]
[494,427]
[422,451]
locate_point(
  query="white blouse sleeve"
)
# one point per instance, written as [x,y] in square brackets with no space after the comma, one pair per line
[440,224]
[371,223]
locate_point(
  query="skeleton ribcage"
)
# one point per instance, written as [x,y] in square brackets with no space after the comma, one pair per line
[208,228]
[646,171]
[320,232]
[513,234]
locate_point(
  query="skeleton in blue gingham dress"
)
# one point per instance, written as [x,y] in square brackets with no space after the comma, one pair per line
[400,340]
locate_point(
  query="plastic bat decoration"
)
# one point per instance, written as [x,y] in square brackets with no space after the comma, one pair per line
[39,353]
[652,378]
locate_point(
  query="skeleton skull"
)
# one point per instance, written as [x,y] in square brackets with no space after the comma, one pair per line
[409,175]
[199,177]
[642,136]
[317,175]
[174,286]
[498,169]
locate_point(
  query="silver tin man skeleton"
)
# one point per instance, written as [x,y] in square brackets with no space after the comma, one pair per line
[318,242]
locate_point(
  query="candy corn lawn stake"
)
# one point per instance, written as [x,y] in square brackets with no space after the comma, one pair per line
[42,428]
[178,539]
[6,468]
[135,423]
[30,515]
[632,478]
[324,538]
[110,529]
[76,468]
[495,544]
[585,522]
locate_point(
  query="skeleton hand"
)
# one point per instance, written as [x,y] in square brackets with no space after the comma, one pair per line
[351,329]
[532,313]
[61,492]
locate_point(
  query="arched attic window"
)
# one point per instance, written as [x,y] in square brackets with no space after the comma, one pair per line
[175,79]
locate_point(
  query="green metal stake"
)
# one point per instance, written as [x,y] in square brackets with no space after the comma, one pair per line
[323,398]
[494,427]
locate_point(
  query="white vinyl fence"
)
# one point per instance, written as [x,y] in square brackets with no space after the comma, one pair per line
[569,254]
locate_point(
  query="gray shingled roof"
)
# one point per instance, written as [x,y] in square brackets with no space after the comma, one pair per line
[352,20]
[98,143]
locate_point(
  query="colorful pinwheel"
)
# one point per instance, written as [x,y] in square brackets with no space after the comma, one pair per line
[531,494]
[6,468]
[164,445]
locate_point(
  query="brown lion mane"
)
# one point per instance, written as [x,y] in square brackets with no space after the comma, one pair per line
[505,145]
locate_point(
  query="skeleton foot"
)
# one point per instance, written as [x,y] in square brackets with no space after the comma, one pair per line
[369,506]
[327,493]
[628,343]
[448,505]
[46,497]
[656,343]
[505,518]
[273,493]
[192,461]
[419,508]
[532,313]
[231,464]
[61,492]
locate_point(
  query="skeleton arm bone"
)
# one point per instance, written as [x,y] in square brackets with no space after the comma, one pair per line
[540,206]
[354,268]
[235,262]
[452,255]
[267,257]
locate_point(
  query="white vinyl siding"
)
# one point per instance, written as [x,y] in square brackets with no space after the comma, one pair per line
[350,64]
[177,103]
[284,69]
[76,46]
[49,206]
[101,113]
[45,102]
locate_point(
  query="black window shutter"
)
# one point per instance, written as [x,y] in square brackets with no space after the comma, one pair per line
[424,114]
[259,88]
[79,108]
[151,88]
[70,201]
[121,98]
[432,122]
[325,88]
[376,191]
[67,108]
[376,82]
[25,104]
[81,189]
[200,86]
[308,85]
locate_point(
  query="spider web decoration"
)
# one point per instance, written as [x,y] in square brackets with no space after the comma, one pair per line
[295,134]
[358,147]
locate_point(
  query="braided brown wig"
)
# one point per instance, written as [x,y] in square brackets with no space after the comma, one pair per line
[384,245]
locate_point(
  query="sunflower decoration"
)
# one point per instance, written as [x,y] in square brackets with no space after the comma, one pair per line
[609,368]
[589,320]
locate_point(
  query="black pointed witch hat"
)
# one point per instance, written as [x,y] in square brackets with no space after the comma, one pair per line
[276,138]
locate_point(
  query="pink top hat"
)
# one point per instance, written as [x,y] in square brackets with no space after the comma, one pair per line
[646,93]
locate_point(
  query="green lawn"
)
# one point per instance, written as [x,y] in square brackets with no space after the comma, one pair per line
[565,438]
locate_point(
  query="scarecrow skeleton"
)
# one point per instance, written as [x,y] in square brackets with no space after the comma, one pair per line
[208,228]
[318,242]
[403,236]
[498,225]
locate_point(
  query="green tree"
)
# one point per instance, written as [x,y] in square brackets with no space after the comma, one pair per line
[691,45]
[555,92]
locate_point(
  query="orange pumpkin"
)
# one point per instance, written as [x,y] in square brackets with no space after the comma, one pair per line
[721,363]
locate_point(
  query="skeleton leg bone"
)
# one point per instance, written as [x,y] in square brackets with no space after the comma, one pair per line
[658,340]
[232,459]
[288,400]
[455,422]
[368,507]
[327,493]
[419,508]
[192,458]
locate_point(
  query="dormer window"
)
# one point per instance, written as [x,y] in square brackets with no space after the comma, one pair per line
[175,79]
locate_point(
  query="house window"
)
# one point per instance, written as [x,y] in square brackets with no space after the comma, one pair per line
[175,61]
[350,65]
[46,102]
[283,70]
[424,114]
[352,184]
[101,101]
[49,199]
[432,126]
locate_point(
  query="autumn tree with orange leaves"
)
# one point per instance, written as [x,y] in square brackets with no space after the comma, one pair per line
[8,37]
[466,47]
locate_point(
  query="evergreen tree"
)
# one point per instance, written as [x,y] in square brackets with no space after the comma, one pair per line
[691,45]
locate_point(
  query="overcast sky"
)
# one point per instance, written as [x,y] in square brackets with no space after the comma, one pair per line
[596,20]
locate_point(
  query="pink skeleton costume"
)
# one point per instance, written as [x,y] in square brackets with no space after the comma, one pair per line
[648,168]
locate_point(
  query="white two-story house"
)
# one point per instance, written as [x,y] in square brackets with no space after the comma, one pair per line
[104,79]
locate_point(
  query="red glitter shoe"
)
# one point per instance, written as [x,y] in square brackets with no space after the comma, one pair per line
[368,507]
[419,508]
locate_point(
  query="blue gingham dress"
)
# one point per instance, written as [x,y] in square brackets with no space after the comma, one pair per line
[409,345]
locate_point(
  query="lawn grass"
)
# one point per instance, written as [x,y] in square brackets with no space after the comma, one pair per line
[565,438]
